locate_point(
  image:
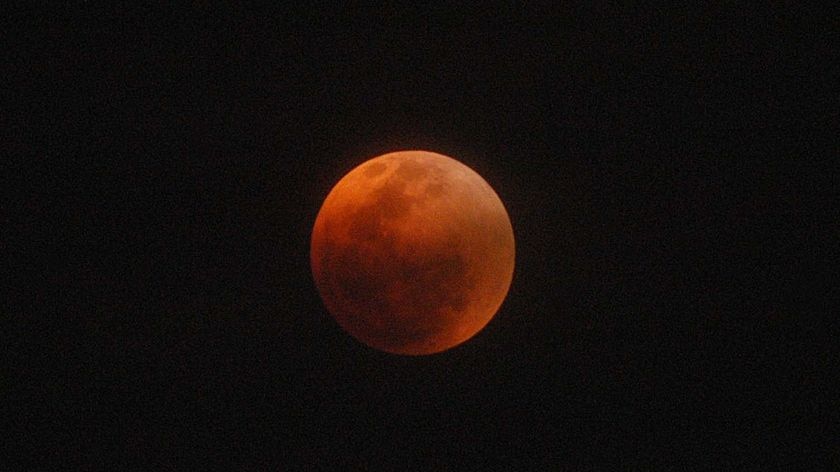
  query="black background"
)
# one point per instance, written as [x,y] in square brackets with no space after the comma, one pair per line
[663,172]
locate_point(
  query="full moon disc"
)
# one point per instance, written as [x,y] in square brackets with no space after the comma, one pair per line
[412,252]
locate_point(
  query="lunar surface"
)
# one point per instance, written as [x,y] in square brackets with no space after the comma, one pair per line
[412,252]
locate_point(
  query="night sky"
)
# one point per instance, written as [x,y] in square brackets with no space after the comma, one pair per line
[663,172]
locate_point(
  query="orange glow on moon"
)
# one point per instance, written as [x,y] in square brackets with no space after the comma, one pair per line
[412,252]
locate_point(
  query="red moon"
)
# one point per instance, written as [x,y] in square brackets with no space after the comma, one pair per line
[412,252]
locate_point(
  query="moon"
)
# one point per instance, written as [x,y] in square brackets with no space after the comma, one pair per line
[412,252]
